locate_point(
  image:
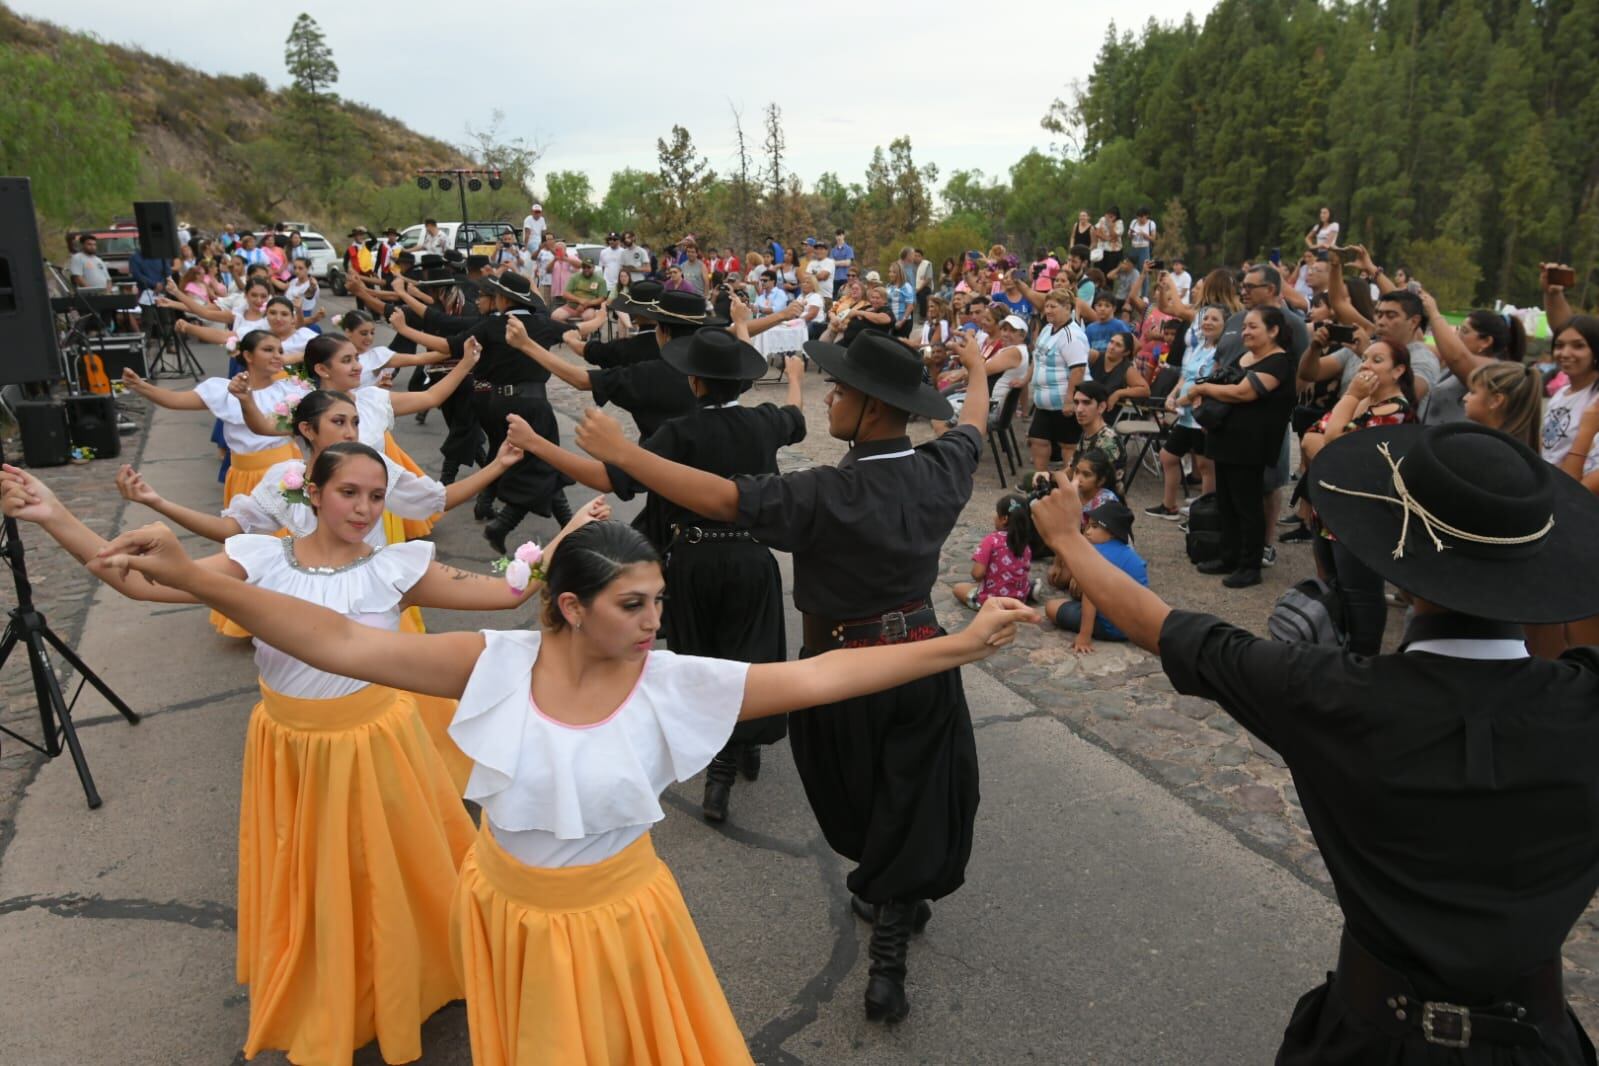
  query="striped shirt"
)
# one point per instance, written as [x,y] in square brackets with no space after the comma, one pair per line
[1056,354]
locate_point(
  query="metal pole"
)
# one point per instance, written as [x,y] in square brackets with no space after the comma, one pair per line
[460,184]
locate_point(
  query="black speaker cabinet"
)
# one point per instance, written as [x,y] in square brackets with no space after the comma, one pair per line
[46,438]
[92,422]
[120,351]
[27,335]
[158,229]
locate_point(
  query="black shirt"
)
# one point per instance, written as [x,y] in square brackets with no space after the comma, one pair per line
[500,364]
[865,534]
[1253,431]
[1455,800]
[624,351]
[727,441]
[651,391]
[1111,379]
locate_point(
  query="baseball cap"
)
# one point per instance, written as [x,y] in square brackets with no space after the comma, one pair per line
[1015,322]
[872,275]
[538,207]
[810,242]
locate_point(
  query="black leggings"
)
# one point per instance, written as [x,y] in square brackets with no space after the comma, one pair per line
[1240,490]
[1360,591]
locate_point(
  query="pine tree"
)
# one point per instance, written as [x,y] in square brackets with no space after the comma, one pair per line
[312,75]
[682,196]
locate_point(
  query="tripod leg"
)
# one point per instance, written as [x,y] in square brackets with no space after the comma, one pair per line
[9,642]
[51,700]
[87,674]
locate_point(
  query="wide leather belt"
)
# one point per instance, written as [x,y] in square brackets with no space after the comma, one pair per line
[521,388]
[1388,1000]
[708,534]
[913,621]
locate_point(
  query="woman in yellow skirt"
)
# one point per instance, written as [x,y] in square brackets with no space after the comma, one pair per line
[253,452]
[331,362]
[322,419]
[573,941]
[350,833]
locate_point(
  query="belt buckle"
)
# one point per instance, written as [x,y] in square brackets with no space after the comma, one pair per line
[1446,1024]
[894,627]
[507,390]
[693,534]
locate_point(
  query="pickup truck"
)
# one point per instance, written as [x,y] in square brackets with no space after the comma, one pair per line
[468,238]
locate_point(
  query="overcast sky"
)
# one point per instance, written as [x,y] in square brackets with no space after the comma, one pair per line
[620,76]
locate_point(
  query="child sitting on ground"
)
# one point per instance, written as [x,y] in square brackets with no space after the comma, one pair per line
[1000,563]
[1109,528]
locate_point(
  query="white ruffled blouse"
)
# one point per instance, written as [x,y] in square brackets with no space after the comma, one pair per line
[265,510]
[373,360]
[213,392]
[376,412]
[368,591]
[565,795]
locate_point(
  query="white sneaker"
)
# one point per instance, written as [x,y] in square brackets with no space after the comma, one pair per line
[1269,556]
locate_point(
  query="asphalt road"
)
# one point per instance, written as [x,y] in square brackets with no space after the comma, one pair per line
[1104,920]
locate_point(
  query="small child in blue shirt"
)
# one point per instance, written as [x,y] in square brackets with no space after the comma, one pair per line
[1110,531]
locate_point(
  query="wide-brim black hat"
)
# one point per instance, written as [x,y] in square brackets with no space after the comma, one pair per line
[1464,517]
[673,306]
[639,296]
[882,368]
[513,287]
[714,354]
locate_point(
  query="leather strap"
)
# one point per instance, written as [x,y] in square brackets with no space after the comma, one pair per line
[1388,1000]
[708,534]
[914,621]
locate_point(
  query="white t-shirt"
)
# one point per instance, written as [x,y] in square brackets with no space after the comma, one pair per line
[610,265]
[369,591]
[1184,283]
[1141,232]
[561,795]
[815,300]
[1327,236]
[1560,417]
[534,228]
[824,269]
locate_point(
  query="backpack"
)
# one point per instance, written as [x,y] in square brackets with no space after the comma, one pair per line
[1308,613]
[1203,541]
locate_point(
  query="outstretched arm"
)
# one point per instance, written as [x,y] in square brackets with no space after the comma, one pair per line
[579,468]
[575,376]
[452,589]
[701,492]
[1451,349]
[438,664]
[409,403]
[974,411]
[427,340]
[210,526]
[774,688]
[1557,309]
[1137,612]
[27,499]
[173,401]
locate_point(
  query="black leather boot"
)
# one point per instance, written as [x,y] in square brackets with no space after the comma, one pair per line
[560,510]
[867,912]
[502,526]
[719,778]
[749,761]
[449,472]
[483,509]
[885,983]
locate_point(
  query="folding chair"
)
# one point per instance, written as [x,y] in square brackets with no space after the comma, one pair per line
[1001,436]
[1143,424]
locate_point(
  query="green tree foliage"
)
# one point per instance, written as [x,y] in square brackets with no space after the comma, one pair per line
[569,202]
[1414,120]
[64,125]
[312,120]
[682,197]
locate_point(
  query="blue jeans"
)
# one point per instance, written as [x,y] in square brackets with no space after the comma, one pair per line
[1070,616]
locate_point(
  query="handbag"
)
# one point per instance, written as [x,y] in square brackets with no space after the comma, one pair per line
[1211,413]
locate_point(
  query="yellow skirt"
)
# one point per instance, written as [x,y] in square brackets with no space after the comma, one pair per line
[594,965]
[245,470]
[415,528]
[350,838]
